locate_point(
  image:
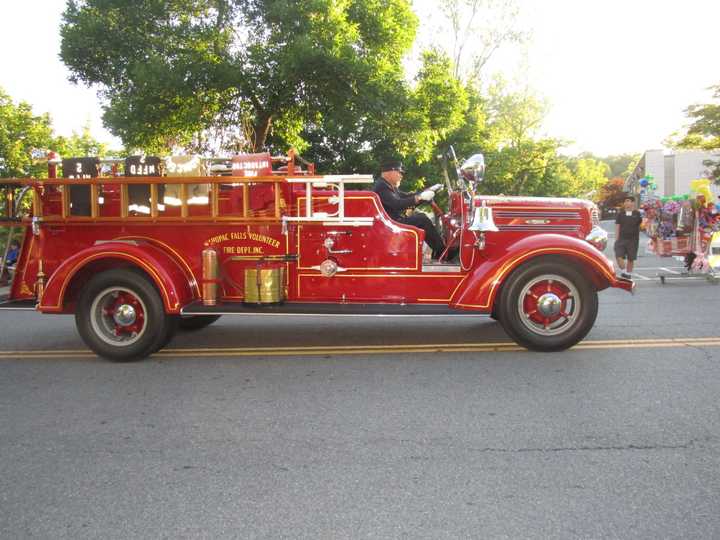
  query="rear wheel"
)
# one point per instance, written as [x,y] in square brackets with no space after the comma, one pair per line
[196,322]
[548,306]
[121,317]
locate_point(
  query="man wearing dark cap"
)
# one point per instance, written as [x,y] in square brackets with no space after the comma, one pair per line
[396,202]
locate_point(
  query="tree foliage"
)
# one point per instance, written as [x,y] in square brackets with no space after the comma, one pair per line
[588,176]
[704,131]
[171,70]
[25,137]
[323,76]
[612,193]
[80,144]
[619,165]
[520,161]
[21,131]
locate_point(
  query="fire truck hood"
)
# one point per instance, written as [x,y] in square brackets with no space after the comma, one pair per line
[549,202]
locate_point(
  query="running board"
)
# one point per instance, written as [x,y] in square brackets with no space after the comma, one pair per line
[17,305]
[315,309]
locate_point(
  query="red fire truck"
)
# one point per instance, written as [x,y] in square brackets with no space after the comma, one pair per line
[139,248]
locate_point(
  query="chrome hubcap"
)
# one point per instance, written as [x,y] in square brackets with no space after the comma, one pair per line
[549,304]
[125,315]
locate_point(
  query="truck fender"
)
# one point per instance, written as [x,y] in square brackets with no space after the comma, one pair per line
[479,290]
[172,282]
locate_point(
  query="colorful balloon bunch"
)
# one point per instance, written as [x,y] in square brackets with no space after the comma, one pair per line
[648,182]
[676,198]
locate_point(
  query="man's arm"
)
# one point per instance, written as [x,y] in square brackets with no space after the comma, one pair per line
[617,227]
[395,200]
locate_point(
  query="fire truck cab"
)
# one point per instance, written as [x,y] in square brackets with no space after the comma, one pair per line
[139,248]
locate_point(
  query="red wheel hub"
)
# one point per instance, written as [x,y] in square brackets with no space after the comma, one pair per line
[127,313]
[546,302]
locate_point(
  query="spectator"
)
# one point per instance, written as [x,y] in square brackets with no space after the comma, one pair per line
[13,253]
[627,237]
[10,261]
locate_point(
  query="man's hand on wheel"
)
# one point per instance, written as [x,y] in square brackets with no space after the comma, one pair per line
[427,195]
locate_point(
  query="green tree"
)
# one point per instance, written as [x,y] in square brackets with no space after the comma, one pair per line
[21,132]
[24,139]
[588,176]
[439,103]
[409,122]
[79,145]
[704,131]
[521,161]
[621,164]
[618,165]
[171,70]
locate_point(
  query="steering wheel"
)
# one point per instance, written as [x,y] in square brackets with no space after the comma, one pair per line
[437,211]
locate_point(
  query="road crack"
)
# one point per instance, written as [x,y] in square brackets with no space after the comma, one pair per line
[610,448]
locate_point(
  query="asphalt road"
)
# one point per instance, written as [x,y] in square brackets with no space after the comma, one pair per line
[382,430]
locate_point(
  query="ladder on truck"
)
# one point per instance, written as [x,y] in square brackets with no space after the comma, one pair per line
[10,208]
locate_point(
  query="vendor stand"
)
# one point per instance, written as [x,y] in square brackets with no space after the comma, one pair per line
[686,228]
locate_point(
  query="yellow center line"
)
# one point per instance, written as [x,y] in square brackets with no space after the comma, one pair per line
[491,346]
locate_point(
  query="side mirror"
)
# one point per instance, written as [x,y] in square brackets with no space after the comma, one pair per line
[473,169]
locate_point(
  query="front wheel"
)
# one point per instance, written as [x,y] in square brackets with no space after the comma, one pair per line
[548,306]
[121,317]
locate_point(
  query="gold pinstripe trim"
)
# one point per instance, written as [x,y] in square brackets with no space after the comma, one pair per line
[384,276]
[101,255]
[546,208]
[163,244]
[384,220]
[508,265]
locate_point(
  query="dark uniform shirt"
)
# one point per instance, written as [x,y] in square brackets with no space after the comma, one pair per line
[629,225]
[393,200]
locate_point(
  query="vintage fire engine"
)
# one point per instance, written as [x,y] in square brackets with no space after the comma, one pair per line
[151,246]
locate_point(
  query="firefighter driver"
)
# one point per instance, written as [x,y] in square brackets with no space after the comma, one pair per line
[396,202]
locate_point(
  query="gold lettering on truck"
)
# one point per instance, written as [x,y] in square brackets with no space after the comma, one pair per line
[243,236]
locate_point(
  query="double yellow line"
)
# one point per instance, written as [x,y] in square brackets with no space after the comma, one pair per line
[341,350]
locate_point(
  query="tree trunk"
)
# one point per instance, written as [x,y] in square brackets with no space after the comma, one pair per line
[261,129]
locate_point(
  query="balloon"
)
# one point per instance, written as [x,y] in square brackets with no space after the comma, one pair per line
[653,185]
[701,186]
[643,182]
[649,177]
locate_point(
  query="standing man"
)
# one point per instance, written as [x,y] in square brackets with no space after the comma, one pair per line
[627,236]
[396,202]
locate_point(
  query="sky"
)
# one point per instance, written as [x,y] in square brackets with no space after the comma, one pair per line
[617,74]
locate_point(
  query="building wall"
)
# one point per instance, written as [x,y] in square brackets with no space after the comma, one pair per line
[689,166]
[655,165]
[670,172]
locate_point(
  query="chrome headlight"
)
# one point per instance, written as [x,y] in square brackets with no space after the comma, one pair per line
[598,237]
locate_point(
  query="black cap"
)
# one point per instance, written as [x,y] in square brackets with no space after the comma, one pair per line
[392,165]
